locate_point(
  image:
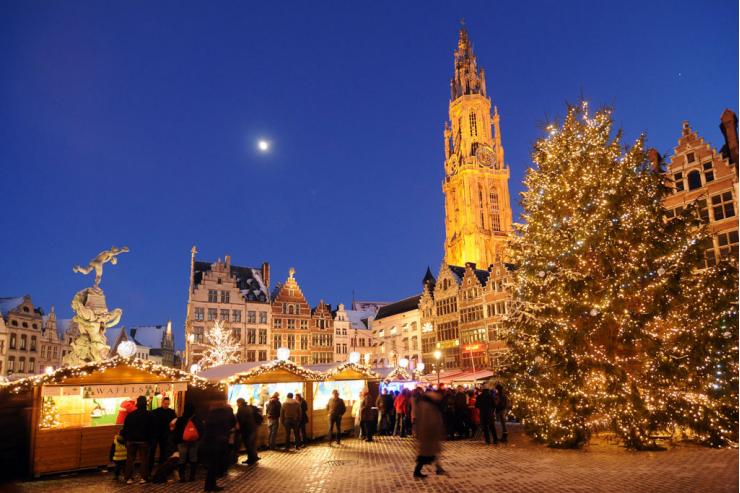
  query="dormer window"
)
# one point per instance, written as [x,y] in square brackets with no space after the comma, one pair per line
[690,158]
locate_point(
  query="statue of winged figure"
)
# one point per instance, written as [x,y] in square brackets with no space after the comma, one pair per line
[97,263]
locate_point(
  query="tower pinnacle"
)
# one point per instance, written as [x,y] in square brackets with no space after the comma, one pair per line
[468,79]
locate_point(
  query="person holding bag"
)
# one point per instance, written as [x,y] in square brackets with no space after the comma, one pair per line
[187,432]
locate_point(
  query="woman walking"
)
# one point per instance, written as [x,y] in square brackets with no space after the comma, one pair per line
[429,432]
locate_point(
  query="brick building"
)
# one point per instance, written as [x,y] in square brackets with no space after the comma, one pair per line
[697,173]
[291,320]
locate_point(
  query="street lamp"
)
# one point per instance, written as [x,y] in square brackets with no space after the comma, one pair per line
[437,356]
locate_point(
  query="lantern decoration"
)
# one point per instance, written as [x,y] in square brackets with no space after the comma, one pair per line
[354,357]
[126,349]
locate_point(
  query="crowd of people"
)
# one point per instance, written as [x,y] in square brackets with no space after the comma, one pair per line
[168,447]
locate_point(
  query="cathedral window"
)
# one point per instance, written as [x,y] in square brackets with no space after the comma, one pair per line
[495,213]
[473,124]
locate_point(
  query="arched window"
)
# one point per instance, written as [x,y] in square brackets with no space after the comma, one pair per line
[495,212]
[473,124]
[694,180]
[291,310]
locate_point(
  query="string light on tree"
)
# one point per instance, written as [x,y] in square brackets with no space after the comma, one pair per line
[221,347]
[599,341]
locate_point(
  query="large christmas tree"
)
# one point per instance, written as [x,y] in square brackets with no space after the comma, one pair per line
[601,282]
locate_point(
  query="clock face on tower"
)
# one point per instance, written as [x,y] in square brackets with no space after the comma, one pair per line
[485,155]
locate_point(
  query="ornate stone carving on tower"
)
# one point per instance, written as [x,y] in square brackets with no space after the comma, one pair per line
[476,185]
[91,313]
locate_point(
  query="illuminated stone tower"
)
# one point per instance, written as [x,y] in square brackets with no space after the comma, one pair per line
[476,184]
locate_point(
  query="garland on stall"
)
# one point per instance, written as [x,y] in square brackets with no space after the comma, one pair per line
[277,364]
[398,374]
[365,370]
[58,376]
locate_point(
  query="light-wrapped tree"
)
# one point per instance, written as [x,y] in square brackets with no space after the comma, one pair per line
[221,347]
[600,274]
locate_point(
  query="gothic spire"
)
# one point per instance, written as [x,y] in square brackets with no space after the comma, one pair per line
[468,79]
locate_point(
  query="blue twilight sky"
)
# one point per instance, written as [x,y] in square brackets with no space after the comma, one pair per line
[135,123]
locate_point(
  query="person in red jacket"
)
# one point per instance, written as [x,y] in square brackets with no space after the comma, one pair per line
[401,404]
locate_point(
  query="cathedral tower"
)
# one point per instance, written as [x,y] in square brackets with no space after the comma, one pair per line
[476,184]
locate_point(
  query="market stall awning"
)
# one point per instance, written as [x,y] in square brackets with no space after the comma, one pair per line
[222,372]
[471,377]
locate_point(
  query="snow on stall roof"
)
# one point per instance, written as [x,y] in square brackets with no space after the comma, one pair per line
[9,304]
[222,372]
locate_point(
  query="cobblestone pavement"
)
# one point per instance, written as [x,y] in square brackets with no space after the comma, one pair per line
[472,466]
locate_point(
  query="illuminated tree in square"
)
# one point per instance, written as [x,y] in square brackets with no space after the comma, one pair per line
[221,347]
[602,292]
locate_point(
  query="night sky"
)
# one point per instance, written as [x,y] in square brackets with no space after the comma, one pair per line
[136,123]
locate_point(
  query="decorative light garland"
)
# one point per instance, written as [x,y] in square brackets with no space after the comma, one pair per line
[58,376]
[271,366]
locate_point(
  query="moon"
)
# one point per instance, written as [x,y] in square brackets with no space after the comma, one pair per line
[263,145]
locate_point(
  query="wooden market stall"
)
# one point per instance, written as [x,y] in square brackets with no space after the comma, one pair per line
[76,411]
[350,379]
[256,383]
[397,379]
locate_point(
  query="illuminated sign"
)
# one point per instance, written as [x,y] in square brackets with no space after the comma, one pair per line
[473,347]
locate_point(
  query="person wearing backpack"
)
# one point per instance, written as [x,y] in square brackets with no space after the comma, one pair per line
[187,433]
[502,406]
[245,417]
[335,409]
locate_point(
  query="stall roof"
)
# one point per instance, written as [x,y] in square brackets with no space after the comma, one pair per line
[395,374]
[222,372]
[77,374]
[348,368]
[470,376]
[277,367]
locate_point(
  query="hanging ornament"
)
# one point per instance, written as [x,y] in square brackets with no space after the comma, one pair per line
[661,271]
[594,312]
[541,273]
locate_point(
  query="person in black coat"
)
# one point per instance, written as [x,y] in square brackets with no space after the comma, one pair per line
[161,419]
[245,416]
[187,447]
[484,402]
[215,448]
[304,417]
[137,431]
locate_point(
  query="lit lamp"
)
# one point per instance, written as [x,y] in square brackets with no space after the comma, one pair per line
[367,358]
[354,357]
[126,349]
[403,363]
[49,370]
[194,368]
[283,354]
[420,366]
[437,356]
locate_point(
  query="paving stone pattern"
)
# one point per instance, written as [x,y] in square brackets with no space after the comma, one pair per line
[386,466]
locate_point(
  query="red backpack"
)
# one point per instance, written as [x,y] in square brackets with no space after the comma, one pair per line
[190,433]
